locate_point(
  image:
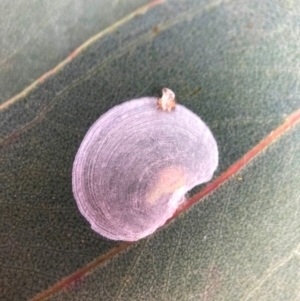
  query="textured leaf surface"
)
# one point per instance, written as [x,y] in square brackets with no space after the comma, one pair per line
[37,35]
[235,64]
[240,243]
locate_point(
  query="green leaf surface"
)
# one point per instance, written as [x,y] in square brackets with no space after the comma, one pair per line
[239,243]
[36,35]
[235,64]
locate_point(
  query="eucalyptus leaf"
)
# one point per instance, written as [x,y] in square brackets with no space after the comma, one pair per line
[233,63]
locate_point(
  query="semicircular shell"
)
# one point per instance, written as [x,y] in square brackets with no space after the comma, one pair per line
[135,165]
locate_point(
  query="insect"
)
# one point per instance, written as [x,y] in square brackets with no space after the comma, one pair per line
[136,163]
[167,102]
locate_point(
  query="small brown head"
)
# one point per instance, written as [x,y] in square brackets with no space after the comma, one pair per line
[167,102]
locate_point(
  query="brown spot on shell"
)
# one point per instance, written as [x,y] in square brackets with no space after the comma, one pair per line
[169,180]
